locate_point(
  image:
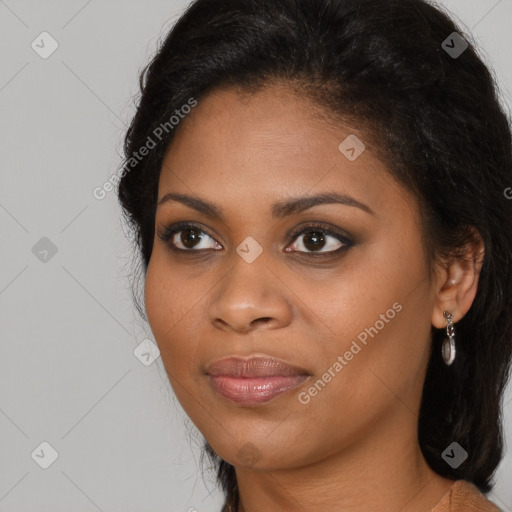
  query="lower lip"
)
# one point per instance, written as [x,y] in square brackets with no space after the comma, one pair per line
[254,390]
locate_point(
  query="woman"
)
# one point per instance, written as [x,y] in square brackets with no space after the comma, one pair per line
[318,193]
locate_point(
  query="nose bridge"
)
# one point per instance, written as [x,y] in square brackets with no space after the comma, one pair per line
[249,292]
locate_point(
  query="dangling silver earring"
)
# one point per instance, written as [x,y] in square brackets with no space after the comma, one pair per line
[449,342]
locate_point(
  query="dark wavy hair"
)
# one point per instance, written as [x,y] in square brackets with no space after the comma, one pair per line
[433,118]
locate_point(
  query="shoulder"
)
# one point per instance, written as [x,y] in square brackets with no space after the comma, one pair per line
[464,496]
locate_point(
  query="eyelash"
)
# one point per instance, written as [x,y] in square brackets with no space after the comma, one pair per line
[169,231]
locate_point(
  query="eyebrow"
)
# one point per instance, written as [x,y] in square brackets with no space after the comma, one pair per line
[280,209]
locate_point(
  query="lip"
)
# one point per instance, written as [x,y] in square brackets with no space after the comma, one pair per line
[255,380]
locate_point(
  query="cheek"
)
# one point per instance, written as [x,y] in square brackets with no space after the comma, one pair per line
[158,301]
[343,302]
[172,309]
[378,322]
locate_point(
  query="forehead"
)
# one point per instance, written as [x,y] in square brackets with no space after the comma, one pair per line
[246,148]
[273,119]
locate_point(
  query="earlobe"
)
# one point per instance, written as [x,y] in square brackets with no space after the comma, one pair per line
[457,285]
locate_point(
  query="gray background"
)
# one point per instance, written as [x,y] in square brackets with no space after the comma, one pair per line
[68,374]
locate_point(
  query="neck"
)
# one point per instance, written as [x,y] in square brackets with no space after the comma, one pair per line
[384,470]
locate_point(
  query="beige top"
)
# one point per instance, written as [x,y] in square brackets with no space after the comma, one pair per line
[464,496]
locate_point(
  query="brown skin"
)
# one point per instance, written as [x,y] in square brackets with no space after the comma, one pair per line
[354,446]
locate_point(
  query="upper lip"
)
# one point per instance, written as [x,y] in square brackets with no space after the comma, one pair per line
[255,366]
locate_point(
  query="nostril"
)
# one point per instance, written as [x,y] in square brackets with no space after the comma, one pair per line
[265,319]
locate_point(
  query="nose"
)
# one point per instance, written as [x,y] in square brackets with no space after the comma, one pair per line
[250,296]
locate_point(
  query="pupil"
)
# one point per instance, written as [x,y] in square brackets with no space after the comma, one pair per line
[188,241]
[312,239]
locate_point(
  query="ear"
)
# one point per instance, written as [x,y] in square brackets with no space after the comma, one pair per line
[457,282]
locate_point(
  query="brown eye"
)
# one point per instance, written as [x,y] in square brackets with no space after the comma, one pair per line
[316,240]
[187,237]
[190,237]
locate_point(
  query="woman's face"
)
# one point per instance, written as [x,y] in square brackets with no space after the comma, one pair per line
[346,302]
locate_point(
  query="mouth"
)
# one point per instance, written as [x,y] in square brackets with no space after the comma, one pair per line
[254,381]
